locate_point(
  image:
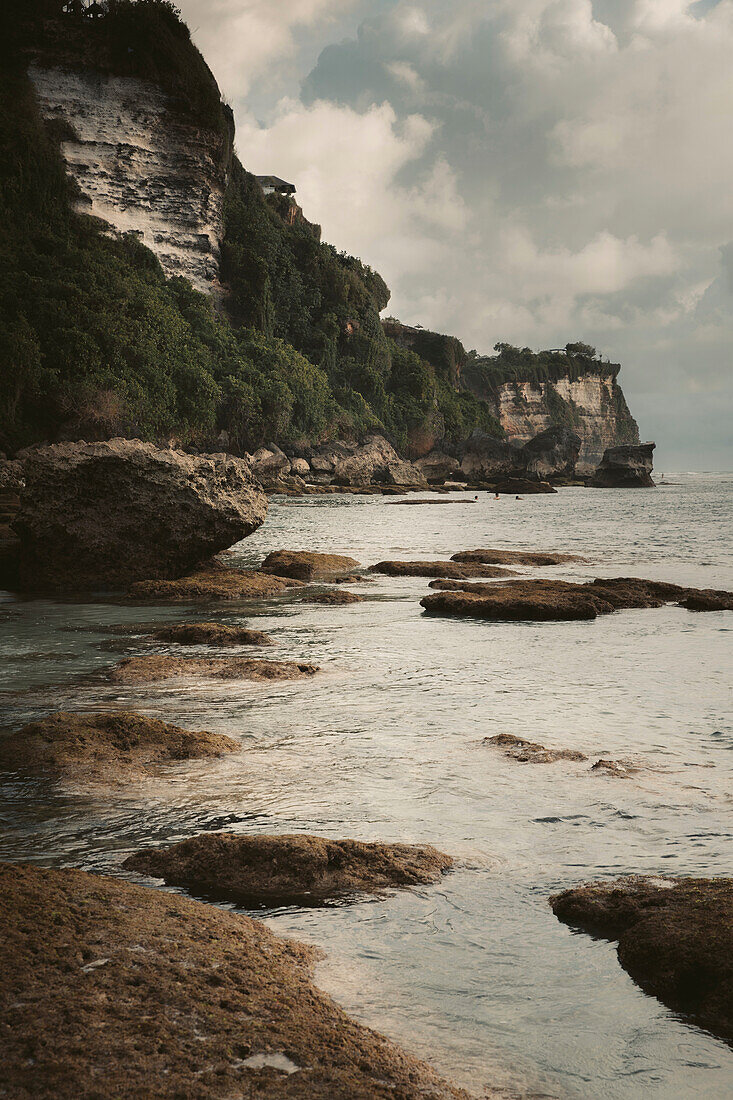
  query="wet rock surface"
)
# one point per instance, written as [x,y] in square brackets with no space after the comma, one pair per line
[102,515]
[615,769]
[217,634]
[530,752]
[151,668]
[117,990]
[306,565]
[675,938]
[450,569]
[333,596]
[297,867]
[626,468]
[514,557]
[553,600]
[214,582]
[88,745]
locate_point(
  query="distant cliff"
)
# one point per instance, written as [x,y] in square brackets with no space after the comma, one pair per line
[529,392]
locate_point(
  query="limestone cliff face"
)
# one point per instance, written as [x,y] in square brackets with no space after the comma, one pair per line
[593,405]
[140,166]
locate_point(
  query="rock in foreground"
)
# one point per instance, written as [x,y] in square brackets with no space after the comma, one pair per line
[215,582]
[217,634]
[542,600]
[675,938]
[112,990]
[102,515]
[625,468]
[305,565]
[153,667]
[298,867]
[78,745]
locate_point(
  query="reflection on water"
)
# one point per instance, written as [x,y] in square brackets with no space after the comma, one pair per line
[386,743]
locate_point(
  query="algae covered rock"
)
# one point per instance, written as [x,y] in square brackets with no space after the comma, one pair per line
[307,565]
[293,866]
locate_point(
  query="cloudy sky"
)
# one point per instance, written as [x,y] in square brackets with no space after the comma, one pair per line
[534,171]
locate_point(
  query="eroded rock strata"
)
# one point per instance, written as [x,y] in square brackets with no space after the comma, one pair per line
[85,745]
[675,938]
[298,867]
[117,990]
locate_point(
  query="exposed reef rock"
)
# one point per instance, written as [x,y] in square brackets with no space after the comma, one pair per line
[104,745]
[217,634]
[123,991]
[333,596]
[295,867]
[625,468]
[512,486]
[615,769]
[530,752]
[153,667]
[543,600]
[214,582]
[451,569]
[140,165]
[101,515]
[514,557]
[675,938]
[306,565]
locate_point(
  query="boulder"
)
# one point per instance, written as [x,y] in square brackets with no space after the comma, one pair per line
[551,454]
[112,990]
[367,463]
[485,458]
[675,939]
[333,597]
[102,515]
[270,463]
[307,565]
[295,867]
[12,477]
[437,467]
[91,745]
[299,467]
[404,473]
[625,468]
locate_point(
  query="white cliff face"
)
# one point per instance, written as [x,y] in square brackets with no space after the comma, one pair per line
[141,167]
[526,408]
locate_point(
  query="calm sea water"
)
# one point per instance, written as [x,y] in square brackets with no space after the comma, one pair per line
[475,974]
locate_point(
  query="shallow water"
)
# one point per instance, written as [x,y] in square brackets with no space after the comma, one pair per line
[476,974]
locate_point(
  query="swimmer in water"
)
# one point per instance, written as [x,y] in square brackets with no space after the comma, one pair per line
[496,496]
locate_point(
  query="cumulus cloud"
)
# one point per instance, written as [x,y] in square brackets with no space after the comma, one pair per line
[526,170]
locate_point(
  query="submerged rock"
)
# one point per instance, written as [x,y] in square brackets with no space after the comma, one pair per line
[118,991]
[514,557]
[150,668]
[306,565]
[218,634]
[101,515]
[530,752]
[214,582]
[333,596]
[69,745]
[543,600]
[708,601]
[435,569]
[297,867]
[675,938]
[625,468]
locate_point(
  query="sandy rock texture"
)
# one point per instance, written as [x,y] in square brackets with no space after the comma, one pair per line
[297,867]
[554,600]
[118,991]
[307,565]
[675,938]
[152,667]
[85,745]
[216,634]
[102,515]
[212,583]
